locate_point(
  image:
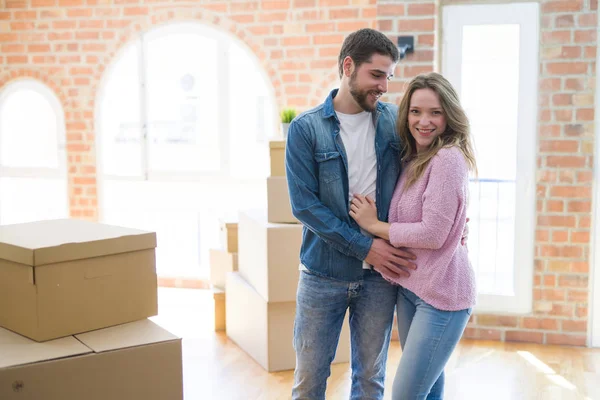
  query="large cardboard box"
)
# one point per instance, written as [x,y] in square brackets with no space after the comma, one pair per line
[221,262]
[278,201]
[269,255]
[265,330]
[229,235]
[136,361]
[277,155]
[62,277]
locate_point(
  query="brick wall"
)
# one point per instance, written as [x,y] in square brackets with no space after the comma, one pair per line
[67,44]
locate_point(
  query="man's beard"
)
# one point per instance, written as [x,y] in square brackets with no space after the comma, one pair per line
[360,96]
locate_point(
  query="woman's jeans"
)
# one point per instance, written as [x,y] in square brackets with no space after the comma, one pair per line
[427,336]
[320,309]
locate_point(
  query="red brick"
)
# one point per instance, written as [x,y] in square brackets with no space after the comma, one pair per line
[559,146]
[391,10]
[556,37]
[550,130]
[579,296]
[43,3]
[135,11]
[320,27]
[566,68]
[560,236]
[574,83]
[573,281]
[562,310]
[415,25]
[483,334]
[584,206]
[568,340]
[524,336]
[585,114]
[497,320]
[589,19]
[275,5]
[304,3]
[587,36]
[426,40]
[343,13]
[566,161]
[419,9]
[584,176]
[549,280]
[547,324]
[565,21]
[562,6]
[563,115]
[385,25]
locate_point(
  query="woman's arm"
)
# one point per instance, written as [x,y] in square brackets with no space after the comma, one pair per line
[444,195]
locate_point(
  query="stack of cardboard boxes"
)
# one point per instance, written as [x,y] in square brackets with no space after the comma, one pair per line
[74,301]
[261,296]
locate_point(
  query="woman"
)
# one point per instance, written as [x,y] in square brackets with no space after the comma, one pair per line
[427,216]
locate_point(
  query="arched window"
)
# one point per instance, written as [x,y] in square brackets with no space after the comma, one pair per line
[33,182]
[184,115]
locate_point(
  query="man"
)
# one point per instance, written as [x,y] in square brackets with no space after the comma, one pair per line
[343,147]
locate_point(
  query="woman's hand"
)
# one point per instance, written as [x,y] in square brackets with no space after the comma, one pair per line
[364,212]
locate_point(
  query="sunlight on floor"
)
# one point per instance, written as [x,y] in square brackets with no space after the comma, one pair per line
[549,372]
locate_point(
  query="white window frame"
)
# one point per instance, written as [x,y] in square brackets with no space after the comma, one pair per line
[223,40]
[50,96]
[527,16]
[594,289]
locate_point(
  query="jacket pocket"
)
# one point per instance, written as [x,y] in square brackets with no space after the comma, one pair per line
[330,166]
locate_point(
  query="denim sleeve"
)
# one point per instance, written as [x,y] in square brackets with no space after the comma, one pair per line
[303,186]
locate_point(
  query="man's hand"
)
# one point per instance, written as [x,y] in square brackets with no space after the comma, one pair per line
[390,261]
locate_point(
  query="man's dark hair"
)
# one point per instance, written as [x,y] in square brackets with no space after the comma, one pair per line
[362,44]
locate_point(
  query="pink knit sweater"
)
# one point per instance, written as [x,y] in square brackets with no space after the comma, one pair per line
[428,218]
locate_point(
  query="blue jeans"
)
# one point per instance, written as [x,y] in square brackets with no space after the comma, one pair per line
[320,309]
[427,336]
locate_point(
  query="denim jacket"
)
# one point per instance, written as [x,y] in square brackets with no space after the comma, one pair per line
[317,175]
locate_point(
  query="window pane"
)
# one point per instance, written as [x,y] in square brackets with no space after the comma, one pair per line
[255,120]
[120,127]
[32,199]
[492,51]
[28,130]
[183,99]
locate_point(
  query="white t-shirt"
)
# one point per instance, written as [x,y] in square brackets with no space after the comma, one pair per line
[358,135]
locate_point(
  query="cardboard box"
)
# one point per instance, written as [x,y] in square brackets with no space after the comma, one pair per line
[265,330]
[229,236]
[63,277]
[269,255]
[220,309]
[221,262]
[277,155]
[136,361]
[278,201]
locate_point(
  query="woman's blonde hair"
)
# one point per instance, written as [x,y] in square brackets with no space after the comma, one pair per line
[457,131]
